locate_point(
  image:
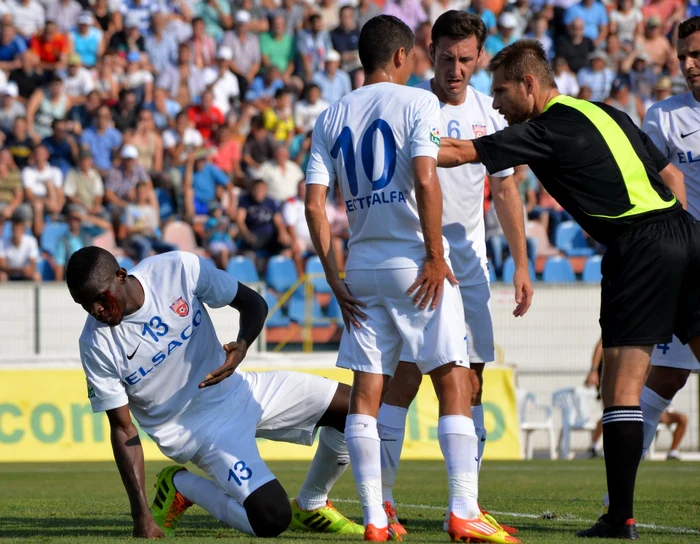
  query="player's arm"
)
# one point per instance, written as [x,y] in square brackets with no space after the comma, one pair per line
[674,180]
[509,209]
[657,146]
[128,455]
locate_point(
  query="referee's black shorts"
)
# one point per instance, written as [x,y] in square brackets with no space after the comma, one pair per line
[651,282]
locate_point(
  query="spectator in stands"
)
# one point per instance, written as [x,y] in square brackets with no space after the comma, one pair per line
[623,100]
[106,79]
[28,17]
[295,219]
[642,75]
[478,7]
[177,145]
[219,235]
[245,51]
[523,15]
[83,227]
[669,12]
[20,143]
[281,175]
[204,184]
[222,81]
[164,108]
[673,70]
[11,47]
[300,148]
[259,15]
[366,10]
[294,15]
[626,22]
[277,48]
[206,117]
[46,105]
[216,16]
[307,110]
[86,40]
[161,45]
[409,11]
[201,44]
[19,253]
[141,222]
[333,82]
[312,43]
[183,82]
[83,185]
[598,77]
[27,77]
[11,193]
[260,223]
[138,78]
[345,40]
[126,111]
[661,91]
[61,145]
[228,153]
[130,38]
[78,81]
[655,44]
[106,20]
[504,36]
[616,54]
[259,147]
[51,47]
[121,181]
[594,17]
[10,107]
[264,87]
[102,140]
[540,32]
[329,13]
[65,13]
[148,141]
[278,118]
[43,187]
[573,46]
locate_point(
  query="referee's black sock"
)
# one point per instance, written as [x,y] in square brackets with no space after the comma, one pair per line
[623,434]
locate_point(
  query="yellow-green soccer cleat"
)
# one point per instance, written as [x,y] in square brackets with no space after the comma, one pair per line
[323,520]
[168,504]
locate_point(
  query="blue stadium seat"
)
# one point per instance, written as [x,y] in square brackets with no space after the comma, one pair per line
[278,319]
[314,266]
[243,269]
[297,314]
[558,270]
[51,235]
[126,263]
[509,270]
[571,240]
[492,272]
[591,270]
[44,268]
[281,273]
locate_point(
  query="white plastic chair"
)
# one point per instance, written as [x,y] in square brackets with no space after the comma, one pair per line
[534,417]
[577,408]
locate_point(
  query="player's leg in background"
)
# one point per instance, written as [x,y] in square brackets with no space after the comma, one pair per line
[476,377]
[391,423]
[596,433]
[681,423]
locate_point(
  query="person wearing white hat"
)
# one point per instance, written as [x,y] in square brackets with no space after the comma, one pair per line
[224,84]
[86,39]
[597,76]
[245,50]
[334,82]
[10,108]
[507,23]
[121,181]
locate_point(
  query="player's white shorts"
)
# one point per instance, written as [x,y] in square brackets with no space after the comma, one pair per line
[394,324]
[675,355]
[284,406]
[476,300]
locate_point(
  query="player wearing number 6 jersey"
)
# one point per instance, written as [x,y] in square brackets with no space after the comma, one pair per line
[381,142]
[149,349]
[457,43]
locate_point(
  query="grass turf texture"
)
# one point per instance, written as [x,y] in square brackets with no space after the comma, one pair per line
[85,503]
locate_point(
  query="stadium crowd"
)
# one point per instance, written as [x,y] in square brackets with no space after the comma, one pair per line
[141,124]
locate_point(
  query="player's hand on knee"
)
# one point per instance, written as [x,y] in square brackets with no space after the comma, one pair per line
[523,291]
[235,353]
[146,527]
[349,305]
[430,283]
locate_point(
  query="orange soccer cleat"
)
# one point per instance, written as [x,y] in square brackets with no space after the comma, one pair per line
[372,534]
[393,518]
[477,530]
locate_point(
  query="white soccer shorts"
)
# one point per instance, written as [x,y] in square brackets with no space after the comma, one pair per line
[394,324]
[675,355]
[284,406]
[476,300]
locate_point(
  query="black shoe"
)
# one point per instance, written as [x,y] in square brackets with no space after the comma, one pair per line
[602,529]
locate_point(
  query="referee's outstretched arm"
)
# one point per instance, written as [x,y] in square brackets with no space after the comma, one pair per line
[455,152]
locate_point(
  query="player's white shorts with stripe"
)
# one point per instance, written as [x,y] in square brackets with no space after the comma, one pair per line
[476,300]
[395,325]
[284,406]
[675,355]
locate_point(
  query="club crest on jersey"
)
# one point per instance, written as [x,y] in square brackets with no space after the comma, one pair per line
[479,130]
[435,136]
[180,307]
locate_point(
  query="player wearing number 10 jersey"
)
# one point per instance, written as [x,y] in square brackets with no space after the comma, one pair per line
[381,142]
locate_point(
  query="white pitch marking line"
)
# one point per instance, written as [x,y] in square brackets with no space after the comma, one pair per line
[680,530]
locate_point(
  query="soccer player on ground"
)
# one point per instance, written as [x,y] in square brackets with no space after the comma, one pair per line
[149,349]
[457,43]
[382,141]
[614,181]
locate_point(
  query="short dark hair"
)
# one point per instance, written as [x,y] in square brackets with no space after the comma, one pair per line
[521,58]
[88,265]
[380,38]
[459,25]
[688,27]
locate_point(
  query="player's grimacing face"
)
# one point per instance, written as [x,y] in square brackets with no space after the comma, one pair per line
[510,98]
[689,58]
[455,62]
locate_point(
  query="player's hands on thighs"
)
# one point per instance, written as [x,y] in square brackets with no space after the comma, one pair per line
[349,305]
[429,285]
[523,291]
[235,353]
[146,527]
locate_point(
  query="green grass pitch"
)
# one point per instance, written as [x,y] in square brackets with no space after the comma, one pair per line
[547,501]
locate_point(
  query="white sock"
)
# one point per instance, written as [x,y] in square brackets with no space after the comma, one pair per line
[391,424]
[478,418]
[365,455]
[458,443]
[652,405]
[328,465]
[207,494]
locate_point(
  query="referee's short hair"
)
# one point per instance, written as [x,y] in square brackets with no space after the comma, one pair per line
[522,58]
[459,25]
[380,38]
[688,27]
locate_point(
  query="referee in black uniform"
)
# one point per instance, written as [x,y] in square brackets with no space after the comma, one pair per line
[609,176]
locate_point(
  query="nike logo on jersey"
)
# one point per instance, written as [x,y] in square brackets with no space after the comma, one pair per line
[689,133]
[130,357]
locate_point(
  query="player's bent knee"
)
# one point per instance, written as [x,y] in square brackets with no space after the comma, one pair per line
[269,510]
